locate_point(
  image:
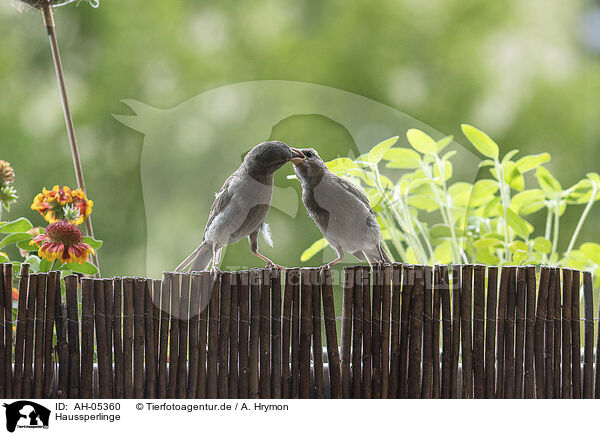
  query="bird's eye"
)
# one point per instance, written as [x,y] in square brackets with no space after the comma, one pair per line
[308,154]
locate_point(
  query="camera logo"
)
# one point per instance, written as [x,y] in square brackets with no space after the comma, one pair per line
[26,414]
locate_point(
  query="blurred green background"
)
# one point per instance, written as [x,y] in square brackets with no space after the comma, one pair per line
[525,71]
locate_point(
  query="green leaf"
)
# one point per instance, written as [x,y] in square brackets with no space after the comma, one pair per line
[547,182]
[460,192]
[518,245]
[20,225]
[528,201]
[442,253]
[411,257]
[45,265]
[486,162]
[341,164]
[443,143]
[449,155]
[520,256]
[542,245]
[423,202]
[487,243]
[527,163]
[442,231]
[481,141]
[96,244]
[34,260]
[378,151]
[512,176]
[594,177]
[509,156]
[403,158]
[447,171]
[486,256]
[591,251]
[518,224]
[24,245]
[421,141]
[86,268]
[14,238]
[483,192]
[4,258]
[313,250]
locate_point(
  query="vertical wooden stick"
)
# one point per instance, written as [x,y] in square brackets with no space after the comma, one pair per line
[549,355]
[386,303]
[490,333]
[101,340]
[265,335]
[276,334]
[53,281]
[87,338]
[156,302]
[576,334]
[540,324]
[444,287]
[21,326]
[357,334]
[3,326]
[502,303]
[437,393]
[478,331]
[456,289]
[29,337]
[40,319]
[509,337]
[165,303]
[588,341]
[195,350]
[243,345]
[128,336]
[256,282]
[567,390]
[213,337]
[347,303]
[206,285]
[376,331]
[366,334]
[530,334]
[62,345]
[305,334]
[118,337]
[151,352]
[415,343]
[184,326]
[234,337]
[295,283]
[108,310]
[175,315]
[557,335]
[286,374]
[333,354]
[520,331]
[224,323]
[395,333]
[8,330]
[466,331]
[139,289]
[427,382]
[317,339]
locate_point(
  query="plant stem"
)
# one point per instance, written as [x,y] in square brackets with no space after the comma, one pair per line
[556,226]
[548,229]
[49,23]
[504,200]
[584,215]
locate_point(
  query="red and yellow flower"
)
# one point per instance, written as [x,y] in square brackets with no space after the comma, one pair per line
[63,242]
[51,204]
[15,294]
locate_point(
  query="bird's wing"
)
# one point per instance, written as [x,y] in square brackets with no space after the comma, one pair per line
[221,200]
[356,192]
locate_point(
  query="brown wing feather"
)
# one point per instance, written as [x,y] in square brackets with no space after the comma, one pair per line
[356,192]
[222,199]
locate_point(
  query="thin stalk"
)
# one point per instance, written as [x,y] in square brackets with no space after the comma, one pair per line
[504,200]
[584,215]
[50,28]
[556,226]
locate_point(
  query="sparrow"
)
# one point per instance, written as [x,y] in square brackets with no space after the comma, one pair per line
[241,206]
[341,211]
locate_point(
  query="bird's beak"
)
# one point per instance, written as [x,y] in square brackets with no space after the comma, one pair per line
[298,156]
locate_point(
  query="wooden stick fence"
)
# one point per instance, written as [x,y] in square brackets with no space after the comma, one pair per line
[401,331]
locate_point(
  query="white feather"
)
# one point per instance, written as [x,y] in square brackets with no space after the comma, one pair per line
[266,233]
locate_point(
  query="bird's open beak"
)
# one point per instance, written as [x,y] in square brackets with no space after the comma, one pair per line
[298,156]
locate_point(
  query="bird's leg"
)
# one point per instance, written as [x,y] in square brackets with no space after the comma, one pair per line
[340,257]
[253,239]
[216,260]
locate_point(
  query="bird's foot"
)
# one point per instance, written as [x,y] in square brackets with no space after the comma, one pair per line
[271,265]
[216,270]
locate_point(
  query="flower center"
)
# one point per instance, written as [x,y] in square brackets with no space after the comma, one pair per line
[64,232]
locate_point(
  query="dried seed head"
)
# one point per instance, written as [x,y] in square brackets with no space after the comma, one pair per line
[7,173]
[38,4]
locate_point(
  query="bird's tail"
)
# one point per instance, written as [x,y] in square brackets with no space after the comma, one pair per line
[199,259]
